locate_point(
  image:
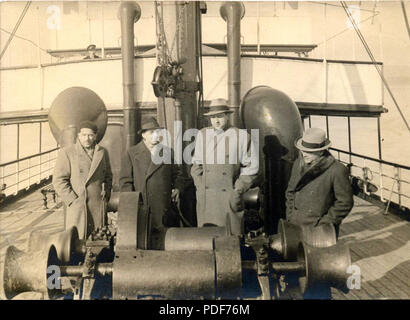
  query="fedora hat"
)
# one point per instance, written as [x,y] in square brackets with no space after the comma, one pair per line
[149,124]
[218,106]
[313,139]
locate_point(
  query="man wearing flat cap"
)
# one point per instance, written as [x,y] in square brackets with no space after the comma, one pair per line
[83,179]
[91,49]
[319,189]
[142,169]
[223,169]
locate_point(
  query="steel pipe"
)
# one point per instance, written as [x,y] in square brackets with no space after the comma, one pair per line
[102,269]
[289,267]
[129,13]
[232,13]
[178,274]
[192,238]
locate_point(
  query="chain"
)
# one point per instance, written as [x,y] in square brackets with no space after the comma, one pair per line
[164,57]
[179,23]
[161,45]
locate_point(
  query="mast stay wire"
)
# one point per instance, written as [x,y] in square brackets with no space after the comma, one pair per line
[369,52]
[344,30]
[22,15]
[406,21]
[22,38]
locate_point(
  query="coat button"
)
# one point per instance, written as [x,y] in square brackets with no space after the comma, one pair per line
[224,173]
[206,187]
[223,190]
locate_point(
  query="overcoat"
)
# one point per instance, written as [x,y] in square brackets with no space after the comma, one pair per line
[78,181]
[322,194]
[155,181]
[217,182]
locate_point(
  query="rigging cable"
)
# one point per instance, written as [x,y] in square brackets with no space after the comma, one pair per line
[22,38]
[23,13]
[362,39]
[406,21]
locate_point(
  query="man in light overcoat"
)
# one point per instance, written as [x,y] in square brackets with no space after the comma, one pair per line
[225,166]
[83,180]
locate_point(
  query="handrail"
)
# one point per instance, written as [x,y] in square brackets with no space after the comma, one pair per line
[397,179]
[372,159]
[28,157]
[149,55]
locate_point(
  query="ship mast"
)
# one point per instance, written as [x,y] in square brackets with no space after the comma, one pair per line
[176,79]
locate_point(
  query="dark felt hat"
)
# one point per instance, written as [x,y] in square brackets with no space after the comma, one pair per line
[149,124]
[89,125]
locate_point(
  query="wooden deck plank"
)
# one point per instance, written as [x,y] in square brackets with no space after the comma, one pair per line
[393,282]
[396,249]
[378,291]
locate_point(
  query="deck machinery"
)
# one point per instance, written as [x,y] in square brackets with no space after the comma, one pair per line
[126,260]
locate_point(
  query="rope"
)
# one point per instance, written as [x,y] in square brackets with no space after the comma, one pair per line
[362,39]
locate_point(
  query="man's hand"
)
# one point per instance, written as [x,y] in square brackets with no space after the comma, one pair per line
[236,201]
[175,195]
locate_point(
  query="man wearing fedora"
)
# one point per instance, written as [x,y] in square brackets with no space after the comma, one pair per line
[159,182]
[319,189]
[220,181]
[82,178]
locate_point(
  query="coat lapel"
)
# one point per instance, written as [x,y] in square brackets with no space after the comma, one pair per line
[97,157]
[314,172]
[153,167]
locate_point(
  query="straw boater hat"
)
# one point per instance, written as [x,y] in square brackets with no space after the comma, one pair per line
[149,124]
[218,106]
[314,139]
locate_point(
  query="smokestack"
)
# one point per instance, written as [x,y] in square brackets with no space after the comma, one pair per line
[129,13]
[232,13]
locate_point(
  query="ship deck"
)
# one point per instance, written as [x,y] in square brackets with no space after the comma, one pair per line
[379,244]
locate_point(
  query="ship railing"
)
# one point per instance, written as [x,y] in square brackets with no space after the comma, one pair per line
[24,171]
[28,171]
[391,179]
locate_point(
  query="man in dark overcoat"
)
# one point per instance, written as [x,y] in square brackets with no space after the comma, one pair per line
[319,190]
[142,169]
[80,172]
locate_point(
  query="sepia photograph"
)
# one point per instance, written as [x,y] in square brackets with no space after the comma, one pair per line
[199,151]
